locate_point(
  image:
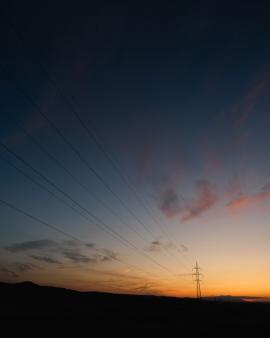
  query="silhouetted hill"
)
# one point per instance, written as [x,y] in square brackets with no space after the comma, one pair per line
[29,310]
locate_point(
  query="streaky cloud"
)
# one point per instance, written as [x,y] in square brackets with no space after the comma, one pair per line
[158,245]
[205,198]
[31,245]
[45,259]
[245,201]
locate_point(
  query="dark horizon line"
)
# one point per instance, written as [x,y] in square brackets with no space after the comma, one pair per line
[228,298]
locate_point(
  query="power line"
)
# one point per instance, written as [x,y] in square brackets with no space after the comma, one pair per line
[59,164]
[189,261]
[77,152]
[63,201]
[169,237]
[99,221]
[40,221]
[43,187]
[110,157]
[55,228]
[95,172]
[83,186]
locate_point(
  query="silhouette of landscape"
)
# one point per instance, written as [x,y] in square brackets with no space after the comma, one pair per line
[31,310]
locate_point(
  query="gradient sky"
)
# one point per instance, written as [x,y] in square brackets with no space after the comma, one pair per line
[176,95]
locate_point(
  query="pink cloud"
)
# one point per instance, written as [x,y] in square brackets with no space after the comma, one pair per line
[204,200]
[245,201]
[206,197]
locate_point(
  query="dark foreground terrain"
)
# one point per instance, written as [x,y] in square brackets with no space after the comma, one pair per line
[29,310]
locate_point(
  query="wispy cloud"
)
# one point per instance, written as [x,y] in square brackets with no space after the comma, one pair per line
[70,242]
[158,245]
[90,245]
[100,255]
[147,288]
[31,245]
[7,273]
[15,269]
[205,198]
[245,201]
[78,257]
[108,255]
[170,204]
[22,267]
[184,248]
[53,252]
[45,259]
[242,110]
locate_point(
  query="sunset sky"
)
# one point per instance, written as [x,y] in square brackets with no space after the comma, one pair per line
[135,142]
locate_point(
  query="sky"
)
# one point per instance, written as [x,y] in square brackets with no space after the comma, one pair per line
[134,142]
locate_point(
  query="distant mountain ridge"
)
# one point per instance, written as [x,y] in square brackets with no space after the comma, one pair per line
[28,285]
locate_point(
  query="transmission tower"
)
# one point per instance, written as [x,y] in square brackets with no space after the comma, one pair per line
[197,279]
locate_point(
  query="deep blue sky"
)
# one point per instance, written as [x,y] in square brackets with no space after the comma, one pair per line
[176,90]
